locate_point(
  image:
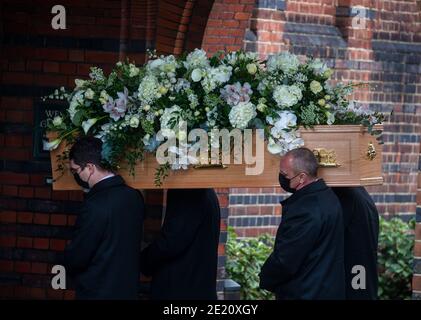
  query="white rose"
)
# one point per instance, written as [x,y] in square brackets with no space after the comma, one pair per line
[261,107]
[57,121]
[251,68]
[315,87]
[89,94]
[196,75]
[134,122]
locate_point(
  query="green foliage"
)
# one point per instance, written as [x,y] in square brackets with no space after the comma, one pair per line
[395,258]
[245,258]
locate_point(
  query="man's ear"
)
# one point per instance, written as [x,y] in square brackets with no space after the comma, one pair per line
[91,167]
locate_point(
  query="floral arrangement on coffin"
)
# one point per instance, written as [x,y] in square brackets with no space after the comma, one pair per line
[127,108]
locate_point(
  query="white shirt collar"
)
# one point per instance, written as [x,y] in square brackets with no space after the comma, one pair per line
[106,177]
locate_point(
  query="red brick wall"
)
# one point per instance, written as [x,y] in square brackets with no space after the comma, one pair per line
[386,53]
[35,221]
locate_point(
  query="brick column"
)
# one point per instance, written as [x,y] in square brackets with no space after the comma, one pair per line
[416,282]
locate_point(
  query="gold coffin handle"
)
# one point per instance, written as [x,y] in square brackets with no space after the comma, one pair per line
[371,151]
[205,163]
[326,158]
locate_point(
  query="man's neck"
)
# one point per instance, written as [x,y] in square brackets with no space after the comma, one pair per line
[102,176]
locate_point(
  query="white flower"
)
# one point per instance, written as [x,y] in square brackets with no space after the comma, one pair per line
[285,142]
[285,61]
[48,146]
[318,66]
[182,159]
[328,73]
[164,66]
[75,102]
[241,114]
[223,73]
[79,83]
[196,59]
[193,99]
[103,97]
[197,75]
[57,121]
[286,120]
[251,68]
[133,70]
[163,90]
[330,118]
[261,107]
[89,94]
[148,89]
[287,96]
[86,125]
[155,64]
[315,87]
[231,58]
[134,122]
[181,84]
[273,147]
[216,76]
[146,139]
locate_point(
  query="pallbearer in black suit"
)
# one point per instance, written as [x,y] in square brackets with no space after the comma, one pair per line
[183,259]
[361,227]
[308,257]
[103,255]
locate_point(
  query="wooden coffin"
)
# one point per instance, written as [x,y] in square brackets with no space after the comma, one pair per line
[348,156]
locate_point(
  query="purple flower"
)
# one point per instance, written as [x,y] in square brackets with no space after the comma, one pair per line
[117,108]
[233,94]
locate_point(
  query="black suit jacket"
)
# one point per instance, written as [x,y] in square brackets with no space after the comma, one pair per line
[308,258]
[103,255]
[361,226]
[183,260]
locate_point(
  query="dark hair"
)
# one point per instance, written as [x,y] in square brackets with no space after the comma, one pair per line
[304,161]
[87,150]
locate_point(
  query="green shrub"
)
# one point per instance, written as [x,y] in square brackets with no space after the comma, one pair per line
[395,257]
[245,258]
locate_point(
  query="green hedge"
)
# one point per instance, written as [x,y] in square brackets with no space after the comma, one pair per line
[396,242]
[246,256]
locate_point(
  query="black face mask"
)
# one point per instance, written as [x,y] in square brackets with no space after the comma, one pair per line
[80,182]
[284,182]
